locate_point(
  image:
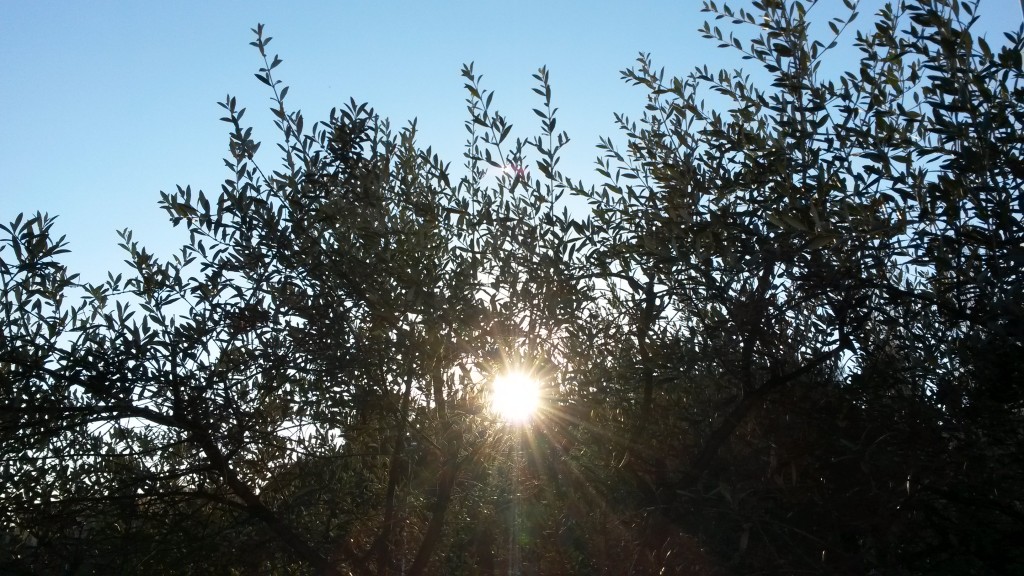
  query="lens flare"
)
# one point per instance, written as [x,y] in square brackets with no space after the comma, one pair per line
[515,397]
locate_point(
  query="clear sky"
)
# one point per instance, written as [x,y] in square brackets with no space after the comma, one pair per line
[105,103]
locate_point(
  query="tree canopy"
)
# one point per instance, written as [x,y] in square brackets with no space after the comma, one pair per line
[785,337]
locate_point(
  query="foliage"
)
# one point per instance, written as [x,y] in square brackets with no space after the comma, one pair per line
[785,339]
[829,243]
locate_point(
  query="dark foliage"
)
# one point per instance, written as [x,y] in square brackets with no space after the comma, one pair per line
[786,339]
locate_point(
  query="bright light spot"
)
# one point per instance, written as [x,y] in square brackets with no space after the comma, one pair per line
[511,170]
[515,397]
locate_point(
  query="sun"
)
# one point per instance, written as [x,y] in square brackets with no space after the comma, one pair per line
[515,397]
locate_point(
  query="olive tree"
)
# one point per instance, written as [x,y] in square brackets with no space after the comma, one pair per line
[820,267]
[302,383]
[785,338]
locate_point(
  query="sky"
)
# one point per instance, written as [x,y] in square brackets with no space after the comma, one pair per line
[103,104]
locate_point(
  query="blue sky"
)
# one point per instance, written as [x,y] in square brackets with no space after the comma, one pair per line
[106,103]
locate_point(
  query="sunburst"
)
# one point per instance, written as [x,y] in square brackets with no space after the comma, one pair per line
[515,397]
